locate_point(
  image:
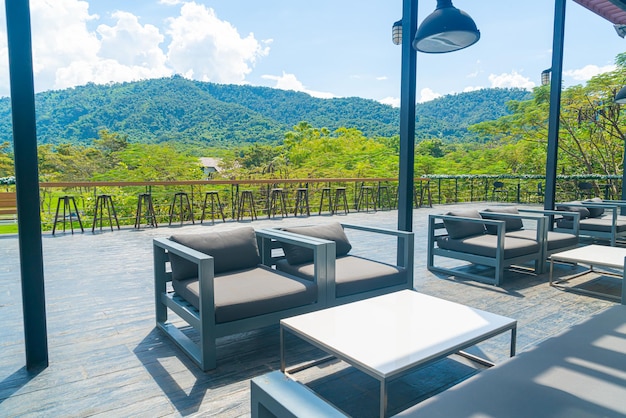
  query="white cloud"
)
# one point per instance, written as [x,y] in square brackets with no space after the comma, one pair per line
[427,95]
[513,79]
[290,82]
[210,49]
[381,78]
[68,52]
[472,88]
[588,71]
[393,101]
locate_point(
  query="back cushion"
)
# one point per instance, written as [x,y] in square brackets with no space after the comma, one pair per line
[232,250]
[332,232]
[510,224]
[594,212]
[573,207]
[462,229]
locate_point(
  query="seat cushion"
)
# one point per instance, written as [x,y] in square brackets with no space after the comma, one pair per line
[511,224]
[462,229]
[556,240]
[232,250]
[353,274]
[332,232]
[251,292]
[602,225]
[485,245]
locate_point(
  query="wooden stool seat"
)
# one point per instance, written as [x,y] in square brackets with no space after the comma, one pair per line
[326,193]
[214,196]
[302,202]
[246,197]
[104,201]
[66,202]
[145,209]
[366,196]
[277,197]
[340,197]
[184,208]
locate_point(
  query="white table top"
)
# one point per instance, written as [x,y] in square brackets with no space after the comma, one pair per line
[392,333]
[599,255]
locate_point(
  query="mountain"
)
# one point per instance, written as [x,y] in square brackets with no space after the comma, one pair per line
[178,109]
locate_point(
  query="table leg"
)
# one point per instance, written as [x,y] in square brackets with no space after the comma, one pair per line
[513,340]
[383,398]
[551,269]
[282,350]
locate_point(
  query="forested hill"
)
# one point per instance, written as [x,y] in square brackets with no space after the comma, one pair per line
[190,111]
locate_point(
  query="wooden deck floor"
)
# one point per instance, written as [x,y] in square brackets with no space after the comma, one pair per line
[107,359]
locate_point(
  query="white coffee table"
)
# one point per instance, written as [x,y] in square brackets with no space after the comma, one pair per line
[390,335]
[593,255]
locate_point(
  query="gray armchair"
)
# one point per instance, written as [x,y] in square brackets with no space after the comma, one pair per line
[467,236]
[221,284]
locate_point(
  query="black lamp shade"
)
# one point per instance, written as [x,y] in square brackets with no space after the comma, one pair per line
[447,29]
[620,97]
[396,33]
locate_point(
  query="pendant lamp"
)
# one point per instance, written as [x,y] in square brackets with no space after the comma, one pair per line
[447,29]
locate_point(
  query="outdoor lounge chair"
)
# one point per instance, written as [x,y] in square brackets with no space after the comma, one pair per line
[599,219]
[221,284]
[552,241]
[467,236]
[351,277]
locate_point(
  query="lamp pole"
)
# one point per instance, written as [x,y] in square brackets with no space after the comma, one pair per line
[407,116]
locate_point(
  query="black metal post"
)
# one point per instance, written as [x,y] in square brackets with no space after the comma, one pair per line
[555,103]
[407,116]
[27,182]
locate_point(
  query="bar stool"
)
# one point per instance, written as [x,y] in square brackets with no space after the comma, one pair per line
[340,196]
[326,192]
[213,196]
[366,193]
[145,209]
[302,201]
[104,201]
[184,208]
[383,196]
[66,202]
[246,196]
[277,195]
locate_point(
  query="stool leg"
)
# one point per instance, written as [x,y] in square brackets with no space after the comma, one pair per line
[219,205]
[95,215]
[206,196]
[151,212]
[193,222]
[56,216]
[77,216]
[112,210]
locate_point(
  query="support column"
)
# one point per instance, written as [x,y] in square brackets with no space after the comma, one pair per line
[555,103]
[407,116]
[27,182]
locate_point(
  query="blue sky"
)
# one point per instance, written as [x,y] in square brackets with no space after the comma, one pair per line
[327,48]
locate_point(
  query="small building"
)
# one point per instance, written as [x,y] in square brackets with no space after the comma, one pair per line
[210,166]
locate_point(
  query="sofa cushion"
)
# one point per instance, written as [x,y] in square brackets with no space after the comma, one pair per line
[266,291]
[353,274]
[594,212]
[511,224]
[462,229]
[486,245]
[573,207]
[232,250]
[556,240]
[332,232]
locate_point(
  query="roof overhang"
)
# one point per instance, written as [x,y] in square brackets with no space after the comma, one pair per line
[612,10]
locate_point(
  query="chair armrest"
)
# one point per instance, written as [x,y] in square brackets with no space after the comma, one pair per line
[406,243]
[323,254]
[574,215]
[205,263]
